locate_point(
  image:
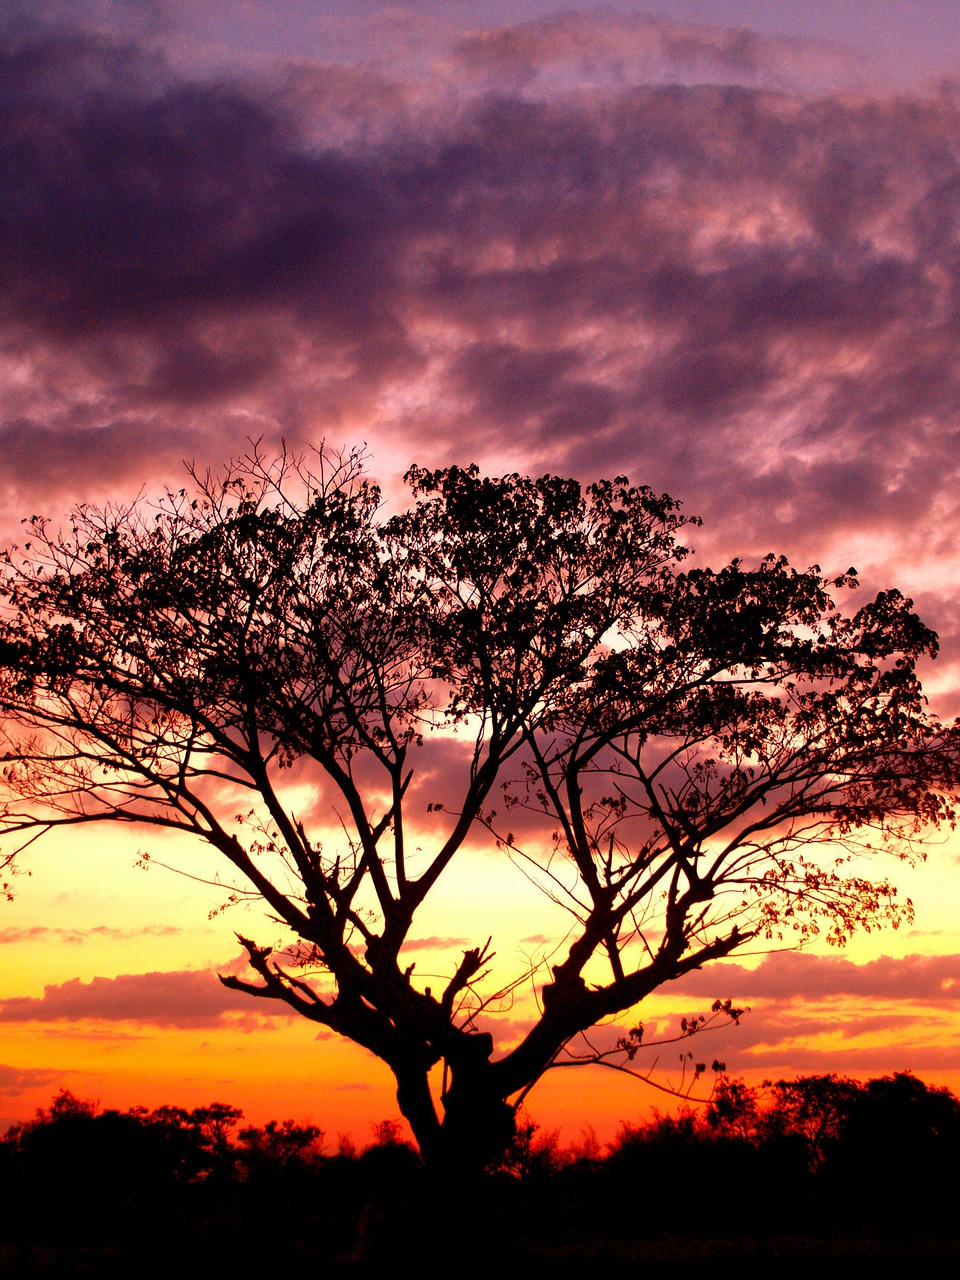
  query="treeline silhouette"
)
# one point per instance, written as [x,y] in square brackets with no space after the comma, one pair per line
[804,1167]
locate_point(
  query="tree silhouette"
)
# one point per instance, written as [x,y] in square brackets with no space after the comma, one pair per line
[685,760]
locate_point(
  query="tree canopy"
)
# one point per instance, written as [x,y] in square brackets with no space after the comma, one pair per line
[686,760]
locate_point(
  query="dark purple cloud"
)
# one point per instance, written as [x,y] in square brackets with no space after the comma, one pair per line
[743,296]
[138,205]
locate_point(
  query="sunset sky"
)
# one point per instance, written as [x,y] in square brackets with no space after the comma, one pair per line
[715,246]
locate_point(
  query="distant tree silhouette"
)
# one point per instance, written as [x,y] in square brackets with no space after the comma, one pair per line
[168,1142]
[735,1111]
[815,1109]
[75,1173]
[897,1152]
[387,1133]
[200,1141]
[280,1146]
[684,760]
[75,1165]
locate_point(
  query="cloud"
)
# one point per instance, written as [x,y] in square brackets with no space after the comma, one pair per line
[147,204]
[184,998]
[13,1080]
[708,285]
[816,1014]
[805,1014]
[46,933]
[803,1036]
[794,976]
[669,281]
[603,48]
[434,943]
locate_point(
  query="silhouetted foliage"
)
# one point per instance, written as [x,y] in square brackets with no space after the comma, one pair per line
[734,1111]
[813,1109]
[896,1152]
[685,760]
[283,1147]
[76,1174]
[532,1153]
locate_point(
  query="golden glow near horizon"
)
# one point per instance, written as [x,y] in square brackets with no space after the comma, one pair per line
[83,923]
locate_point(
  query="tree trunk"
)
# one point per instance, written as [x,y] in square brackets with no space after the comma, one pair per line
[477,1126]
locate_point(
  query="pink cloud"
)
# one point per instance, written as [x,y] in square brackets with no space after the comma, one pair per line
[46,933]
[185,998]
[795,975]
[612,49]
[434,943]
[810,1014]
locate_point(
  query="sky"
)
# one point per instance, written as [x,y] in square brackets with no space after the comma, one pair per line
[715,246]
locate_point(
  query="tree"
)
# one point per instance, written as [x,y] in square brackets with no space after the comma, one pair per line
[814,1108]
[280,1147]
[811,1110]
[685,760]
